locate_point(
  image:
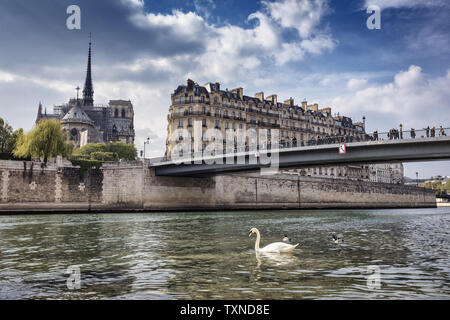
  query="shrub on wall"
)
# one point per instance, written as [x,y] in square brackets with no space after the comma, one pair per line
[100,151]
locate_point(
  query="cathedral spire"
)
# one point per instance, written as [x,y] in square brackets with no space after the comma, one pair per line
[88,91]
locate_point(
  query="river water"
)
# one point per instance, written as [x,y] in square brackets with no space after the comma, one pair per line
[210,256]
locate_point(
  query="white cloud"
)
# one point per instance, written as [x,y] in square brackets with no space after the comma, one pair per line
[383,4]
[303,15]
[412,98]
[7,77]
[204,7]
[230,51]
[356,84]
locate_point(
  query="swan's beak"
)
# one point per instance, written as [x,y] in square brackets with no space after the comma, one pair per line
[250,234]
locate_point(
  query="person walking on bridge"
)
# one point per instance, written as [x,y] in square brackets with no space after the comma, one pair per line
[428,131]
[413,133]
[401,131]
[442,132]
[433,132]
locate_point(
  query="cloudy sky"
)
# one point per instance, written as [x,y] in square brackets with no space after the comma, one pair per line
[320,50]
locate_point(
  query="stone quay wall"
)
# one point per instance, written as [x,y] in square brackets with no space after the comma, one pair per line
[30,187]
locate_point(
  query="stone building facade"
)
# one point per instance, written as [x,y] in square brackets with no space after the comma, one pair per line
[223,109]
[392,173]
[298,125]
[85,122]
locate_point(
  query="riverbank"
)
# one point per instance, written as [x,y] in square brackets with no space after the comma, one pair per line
[130,187]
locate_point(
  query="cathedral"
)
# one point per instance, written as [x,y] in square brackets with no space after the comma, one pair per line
[85,122]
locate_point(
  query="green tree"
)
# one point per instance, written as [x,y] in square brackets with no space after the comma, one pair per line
[112,151]
[46,140]
[8,137]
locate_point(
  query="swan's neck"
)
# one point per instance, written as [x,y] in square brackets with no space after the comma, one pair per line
[258,239]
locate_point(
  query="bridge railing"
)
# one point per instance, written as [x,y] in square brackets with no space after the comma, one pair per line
[393,134]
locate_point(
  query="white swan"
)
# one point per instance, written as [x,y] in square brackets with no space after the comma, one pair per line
[279,247]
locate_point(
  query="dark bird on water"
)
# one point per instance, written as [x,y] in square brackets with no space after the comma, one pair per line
[337,238]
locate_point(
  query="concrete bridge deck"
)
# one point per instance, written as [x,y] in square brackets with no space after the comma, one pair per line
[383,151]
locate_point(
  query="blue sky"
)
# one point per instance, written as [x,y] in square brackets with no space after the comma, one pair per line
[320,50]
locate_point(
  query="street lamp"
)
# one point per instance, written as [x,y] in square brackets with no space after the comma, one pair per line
[417,178]
[145,143]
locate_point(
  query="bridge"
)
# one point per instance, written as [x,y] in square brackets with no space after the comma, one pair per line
[368,152]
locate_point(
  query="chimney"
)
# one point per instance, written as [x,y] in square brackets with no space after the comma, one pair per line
[190,85]
[217,86]
[273,98]
[260,96]
[239,92]
[304,104]
[289,102]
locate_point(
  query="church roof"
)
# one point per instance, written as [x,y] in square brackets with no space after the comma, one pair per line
[76,114]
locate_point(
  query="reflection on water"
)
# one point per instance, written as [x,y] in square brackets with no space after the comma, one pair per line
[209,255]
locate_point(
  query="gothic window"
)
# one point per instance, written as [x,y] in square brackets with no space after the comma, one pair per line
[73,134]
[123,113]
[116,113]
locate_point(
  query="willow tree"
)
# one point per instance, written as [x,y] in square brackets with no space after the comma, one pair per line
[46,140]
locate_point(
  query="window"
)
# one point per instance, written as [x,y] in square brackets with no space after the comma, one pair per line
[123,113]
[203,99]
[204,110]
[217,123]
[180,123]
[240,126]
[191,99]
[190,110]
[204,122]
[189,122]
[181,100]
[116,113]
[216,100]
[227,126]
